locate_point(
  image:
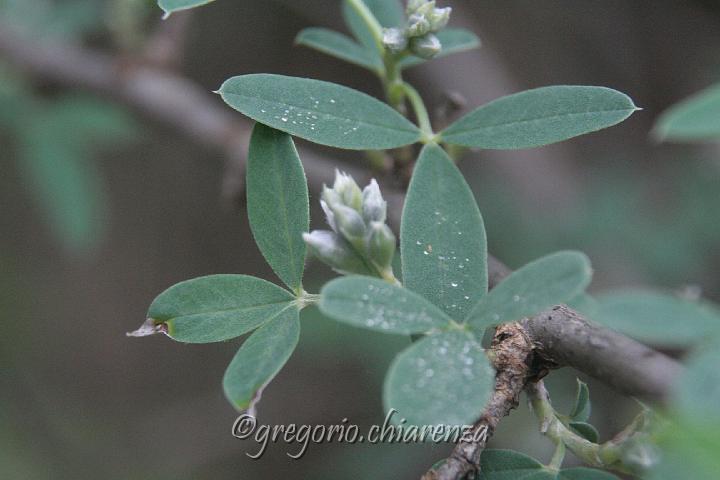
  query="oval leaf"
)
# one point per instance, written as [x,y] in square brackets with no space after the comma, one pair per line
[540,117]
[170,6]
[585,430]
[698,390]
[217,307]
[583,407]
[657,318]
[442,236]
[277,203]
[260,358]
[693,119]
[511,465]
[375,304]
[318,111]
[453,40]
[339,46]
[442,379]
[539,285]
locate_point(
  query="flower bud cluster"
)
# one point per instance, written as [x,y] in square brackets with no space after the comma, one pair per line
[418,35]
[360,241]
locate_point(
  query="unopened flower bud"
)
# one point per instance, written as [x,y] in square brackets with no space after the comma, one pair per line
[394,40]
[335,252]
[640,455]
[381,245]
[329,215]
[417,26]
[426,46]
[374,208]
[350,224]
[439,18]
[413,5]
[426,8]
[348,190]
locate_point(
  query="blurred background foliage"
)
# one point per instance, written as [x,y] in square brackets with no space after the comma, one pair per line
[102,209]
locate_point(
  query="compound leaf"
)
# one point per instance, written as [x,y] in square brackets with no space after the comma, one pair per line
[442,236]
[442,379]
[322,112]
[277,202]
[260,358]
[539,117]
[339,46]
[375,304]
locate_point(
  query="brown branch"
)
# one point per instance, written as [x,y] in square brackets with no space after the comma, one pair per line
[559,337]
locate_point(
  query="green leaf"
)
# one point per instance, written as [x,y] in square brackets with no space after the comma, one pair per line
[375,304]
[260,358]
[171,6]
[217,307]
[277,203]
[442,236]
[585,430]
[512,465]
[339,46]
[540,117]
[441,379]
[695,118]
[690,447]
[388,12]
[453,40]
[657,318]
[318,111]
[539,285]
[581,410]
[697,392]
[582,473]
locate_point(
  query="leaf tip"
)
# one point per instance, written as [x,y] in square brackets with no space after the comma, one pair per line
[149,327]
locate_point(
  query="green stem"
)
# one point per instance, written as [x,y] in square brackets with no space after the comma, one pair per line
[371,22]
[420,112]
[606,455]
[558,457]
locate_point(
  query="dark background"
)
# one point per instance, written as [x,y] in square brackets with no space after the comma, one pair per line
[80,400]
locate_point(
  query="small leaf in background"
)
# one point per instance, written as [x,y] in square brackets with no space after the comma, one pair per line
[339,46]
[695,118]
[539,117]
[581,410]
[697,392]
[539,285]
[453,40]
[657,318]
[585,430]
[217,307]
[389,13]
[322,112]
[260,358]
[690,447]
[278,203]
[170,6]
[376,304]
[442,236]
[447,369]
[511,465]
[584,303]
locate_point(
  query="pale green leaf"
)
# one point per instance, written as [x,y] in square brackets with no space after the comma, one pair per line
[585,430]
[453,40]
[442,236]
[217,307]
[539,285]
[318,111]
[260,358]
[657,318]
[442,379]
[511,465]
[697,392]
[339,46]
[170,6]
[696,118]
[539,117]
[581,410]
[277,202]
[375,304]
